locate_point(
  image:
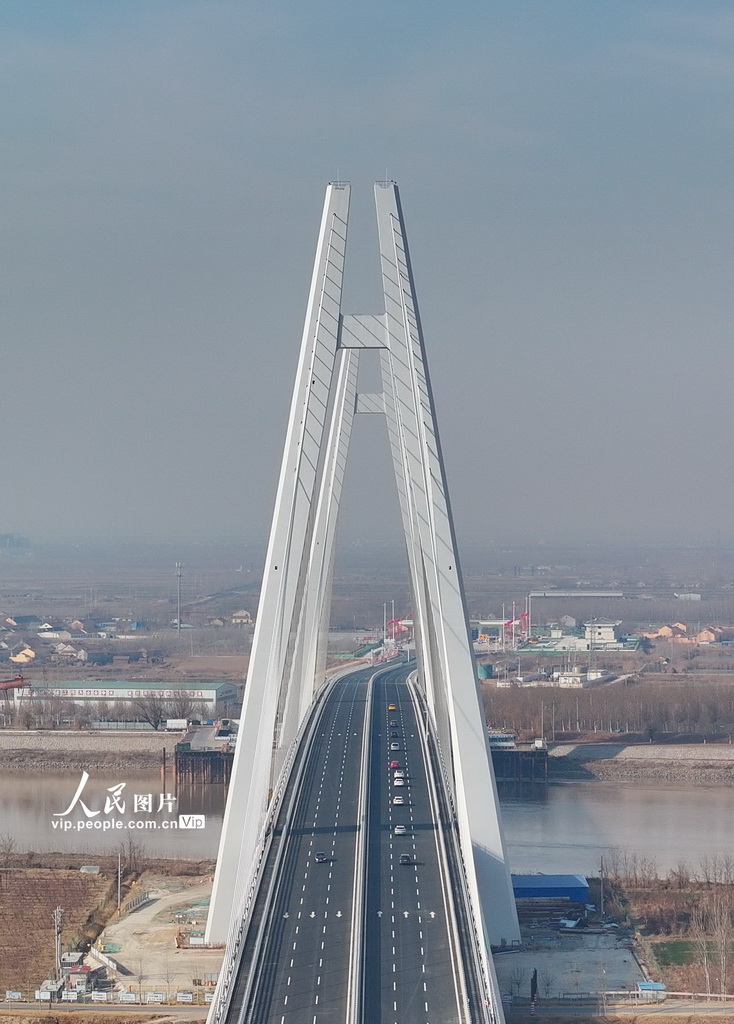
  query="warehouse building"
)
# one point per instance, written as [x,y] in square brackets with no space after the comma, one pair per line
[573,888]
[205,696]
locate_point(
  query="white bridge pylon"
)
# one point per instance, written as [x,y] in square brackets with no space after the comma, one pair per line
[289,646]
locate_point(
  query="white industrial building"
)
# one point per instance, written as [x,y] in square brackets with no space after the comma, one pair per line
[205,696]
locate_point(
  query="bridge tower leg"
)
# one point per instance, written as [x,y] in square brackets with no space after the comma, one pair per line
[288,654]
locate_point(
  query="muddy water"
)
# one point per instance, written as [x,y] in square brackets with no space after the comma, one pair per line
[564,827]
[33,810]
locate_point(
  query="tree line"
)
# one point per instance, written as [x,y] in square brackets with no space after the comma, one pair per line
[642,705]
[694,902]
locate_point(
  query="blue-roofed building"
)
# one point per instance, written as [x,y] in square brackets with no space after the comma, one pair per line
[573,888]
[651,991]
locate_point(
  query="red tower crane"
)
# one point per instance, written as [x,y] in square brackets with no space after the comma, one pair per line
[16,683]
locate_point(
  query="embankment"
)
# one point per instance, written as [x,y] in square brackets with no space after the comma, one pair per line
[72,751]
[688,763]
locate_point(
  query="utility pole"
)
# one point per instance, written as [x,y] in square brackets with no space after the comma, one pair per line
[56,917]
[179,574]
[601,879]
[119,863]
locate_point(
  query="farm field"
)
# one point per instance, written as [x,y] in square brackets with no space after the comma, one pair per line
[28,897]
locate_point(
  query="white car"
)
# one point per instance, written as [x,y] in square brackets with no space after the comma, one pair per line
[399,774]
[398,799]
[400,830]
[398,782]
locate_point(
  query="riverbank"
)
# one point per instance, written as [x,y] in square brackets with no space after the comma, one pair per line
[59,752]
[688,764]
[56,752]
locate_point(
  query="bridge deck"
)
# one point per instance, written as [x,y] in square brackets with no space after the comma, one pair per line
[410,977]
[299,971]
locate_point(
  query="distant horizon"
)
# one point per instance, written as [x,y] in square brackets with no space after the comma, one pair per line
[565,178]
[250,554]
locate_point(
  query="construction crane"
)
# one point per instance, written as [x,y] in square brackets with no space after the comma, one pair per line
[16,683]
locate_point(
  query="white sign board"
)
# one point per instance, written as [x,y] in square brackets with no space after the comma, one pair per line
[69,997]
[128,997]
[99,997]
[13,997]
[43,995]
[184,997]
[154,997]
[208,997]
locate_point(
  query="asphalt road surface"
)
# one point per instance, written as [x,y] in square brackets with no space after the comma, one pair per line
[302,975]
[410,976]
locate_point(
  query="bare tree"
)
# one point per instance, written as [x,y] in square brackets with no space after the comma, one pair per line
[8,846]
[721,924]
[547,980]
[140,965]
[680,875]
[698,931]
[169,973]
[132,853]
[180,707]
[151,710]
[517,977]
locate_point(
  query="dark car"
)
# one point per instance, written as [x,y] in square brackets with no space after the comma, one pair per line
[395,733]
[393,722]
[320,857]
[405,858]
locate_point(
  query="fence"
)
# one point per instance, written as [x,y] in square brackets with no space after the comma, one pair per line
[18,997]
[607,999]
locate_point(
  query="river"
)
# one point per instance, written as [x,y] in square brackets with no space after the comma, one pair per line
[567,826]
[564,827]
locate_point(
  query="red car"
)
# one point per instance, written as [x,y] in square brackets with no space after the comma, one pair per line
[395,764]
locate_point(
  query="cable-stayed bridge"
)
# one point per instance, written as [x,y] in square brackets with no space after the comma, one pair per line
[338,900]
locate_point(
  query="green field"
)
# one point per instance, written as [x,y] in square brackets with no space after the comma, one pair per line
[673,953]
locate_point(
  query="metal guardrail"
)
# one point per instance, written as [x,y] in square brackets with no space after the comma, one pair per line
[355,989]
[476,941]
[228,973]
[133,904]
[442,820]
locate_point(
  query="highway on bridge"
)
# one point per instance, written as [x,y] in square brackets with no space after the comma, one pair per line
[337,894]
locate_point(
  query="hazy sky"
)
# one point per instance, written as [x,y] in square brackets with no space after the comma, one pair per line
[566,174]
